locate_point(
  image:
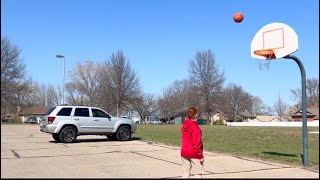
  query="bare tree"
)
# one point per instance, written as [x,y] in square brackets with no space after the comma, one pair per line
[53,98]
[270,111]
[119,81]
[13,75]
[185,94]
[35,96]
[166,104]
[144,104]
[177,98]
[74,97]
[280,107]
[258,107]
[312,88]
[84,82]
[236,100]
[206,76]
[42,94]
[313,91]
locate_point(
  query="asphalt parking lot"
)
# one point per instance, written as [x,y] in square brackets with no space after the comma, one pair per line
[28,153]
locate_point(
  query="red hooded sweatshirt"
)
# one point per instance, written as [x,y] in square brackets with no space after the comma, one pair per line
[191,146]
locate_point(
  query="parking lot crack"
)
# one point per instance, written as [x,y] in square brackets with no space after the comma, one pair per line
[30,136]
[65,146]
[154,158]
[15,154]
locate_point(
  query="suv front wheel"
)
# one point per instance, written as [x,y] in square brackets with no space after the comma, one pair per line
[124,133]
[112,137]
[56,137]
[68,134]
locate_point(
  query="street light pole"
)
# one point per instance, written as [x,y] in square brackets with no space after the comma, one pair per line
[63,74]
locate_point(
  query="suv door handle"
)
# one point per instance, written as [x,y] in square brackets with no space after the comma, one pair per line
[96,120]
[76,119]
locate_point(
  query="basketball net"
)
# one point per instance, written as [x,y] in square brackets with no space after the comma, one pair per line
[263,64]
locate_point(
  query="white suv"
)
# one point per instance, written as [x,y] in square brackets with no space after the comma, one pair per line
[66,122]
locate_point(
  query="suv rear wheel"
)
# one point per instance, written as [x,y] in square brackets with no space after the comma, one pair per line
[68,134]
[124,133]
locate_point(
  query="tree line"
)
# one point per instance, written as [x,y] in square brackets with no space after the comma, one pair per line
[113,85]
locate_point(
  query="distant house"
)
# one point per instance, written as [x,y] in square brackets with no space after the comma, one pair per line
[132,114]
[36,112]
[135,116]
[240,117]
[178,118]
[218,117]
[246,116]
[312,114]
[152,119]
[267,119]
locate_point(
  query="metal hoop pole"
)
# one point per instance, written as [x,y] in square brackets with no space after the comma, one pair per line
[304,108]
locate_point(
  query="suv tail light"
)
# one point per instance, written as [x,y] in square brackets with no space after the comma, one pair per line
[50,120]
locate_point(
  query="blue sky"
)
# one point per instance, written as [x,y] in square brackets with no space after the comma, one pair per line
[159,37]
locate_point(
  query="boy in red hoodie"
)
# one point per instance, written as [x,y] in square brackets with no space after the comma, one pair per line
[191,147]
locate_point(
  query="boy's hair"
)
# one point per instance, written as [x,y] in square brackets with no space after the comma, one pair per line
[191,112]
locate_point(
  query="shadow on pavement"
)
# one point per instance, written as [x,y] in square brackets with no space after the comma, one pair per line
[280,154]
[95,140]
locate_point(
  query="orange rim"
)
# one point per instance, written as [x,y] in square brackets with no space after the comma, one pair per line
[268,53]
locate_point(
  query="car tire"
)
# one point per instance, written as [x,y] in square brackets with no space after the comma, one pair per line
[124,133]
[68,134]
[56,137]
[112,137]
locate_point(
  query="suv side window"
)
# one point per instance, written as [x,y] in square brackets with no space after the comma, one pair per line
[64,112]
[99,113]
[83,112]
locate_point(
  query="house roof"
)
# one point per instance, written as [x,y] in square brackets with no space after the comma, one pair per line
[311,112]
[266,118]
[35,110]
[246,115]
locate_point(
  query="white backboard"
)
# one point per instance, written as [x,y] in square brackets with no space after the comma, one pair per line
[279,37]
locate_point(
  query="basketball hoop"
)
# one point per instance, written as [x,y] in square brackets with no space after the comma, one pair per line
[267,53]
[273,41]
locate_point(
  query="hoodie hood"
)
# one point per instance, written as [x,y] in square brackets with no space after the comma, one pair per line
[187,124]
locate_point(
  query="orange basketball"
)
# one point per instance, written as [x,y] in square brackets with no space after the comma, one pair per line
[238,17]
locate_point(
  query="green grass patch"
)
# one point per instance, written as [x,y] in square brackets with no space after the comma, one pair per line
[279,144]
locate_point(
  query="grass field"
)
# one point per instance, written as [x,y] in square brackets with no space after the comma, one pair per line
[278,144]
